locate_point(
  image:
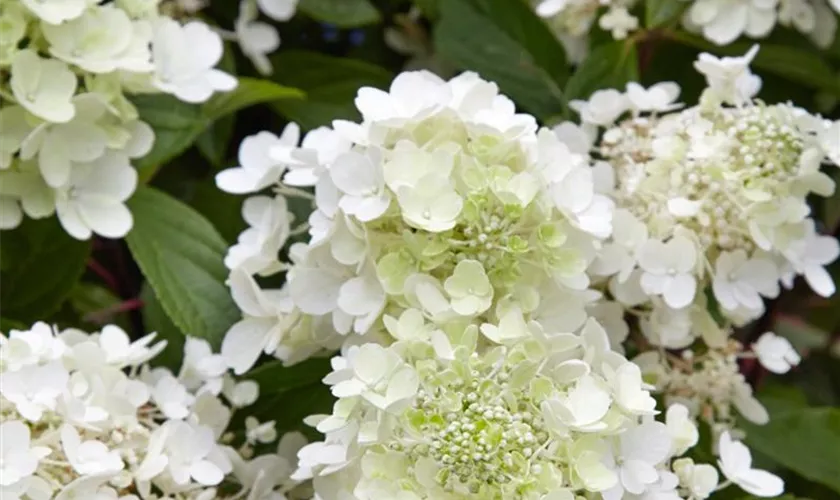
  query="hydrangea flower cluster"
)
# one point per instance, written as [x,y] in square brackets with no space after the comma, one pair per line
[553,416]
[442,200]
[710,197]
[719,21]
[85,416]
[69,131]
[456,257]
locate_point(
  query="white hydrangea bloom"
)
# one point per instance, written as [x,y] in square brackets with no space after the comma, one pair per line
[572,20]
[43,86]
[79,419]
[497,423]
[69,129]
[447,204]
[775,353]
[120,43]
[57,11]
[723,21]
[184,59]
[690,225]
[736,464]
[256,38]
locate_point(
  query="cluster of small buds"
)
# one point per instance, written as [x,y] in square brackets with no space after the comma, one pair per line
[480,442]
[69,130]
[85,416]
[711,384]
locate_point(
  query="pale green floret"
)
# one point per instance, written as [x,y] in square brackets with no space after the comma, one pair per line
[504,222]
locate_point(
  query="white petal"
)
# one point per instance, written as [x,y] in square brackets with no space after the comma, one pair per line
[727,25]
[111,220]
[761,483]
[680,291]
[206,473]
[820,280]
[244,342]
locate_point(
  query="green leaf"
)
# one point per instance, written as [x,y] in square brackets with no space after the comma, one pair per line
[289,408]
[248,92]
[806,67]
[611,65]
[40,265]
[10,324]
[661,12]
[181,255]
[178,125]
[507,43]
[156,320]
[330,84]
[223,210]
[273,377]
[213,143]
[96,304]
[342,13]
[805,440]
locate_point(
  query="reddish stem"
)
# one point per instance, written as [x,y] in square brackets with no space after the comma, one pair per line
[102,315]
[104,274]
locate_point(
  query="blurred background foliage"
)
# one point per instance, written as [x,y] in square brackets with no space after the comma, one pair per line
[183,223]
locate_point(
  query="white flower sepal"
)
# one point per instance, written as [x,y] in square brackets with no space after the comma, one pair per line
[668,270]
[775,353]
[736,464]
[185,57]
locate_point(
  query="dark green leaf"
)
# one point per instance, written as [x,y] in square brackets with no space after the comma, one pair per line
[156,320]
[96,305]
[177,125]
[181,255]
[222,209]
[289,408]
[609,66]
[330,84]
[806,441]
[342,13]
[507,43]
[248,92]
[40,265]
[214,141]
[274,377]
[10,324]
[660,12]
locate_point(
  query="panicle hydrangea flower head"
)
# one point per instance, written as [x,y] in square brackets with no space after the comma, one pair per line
[552,415]
[443,199]
[84,416]
[69,131]
[710,196]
